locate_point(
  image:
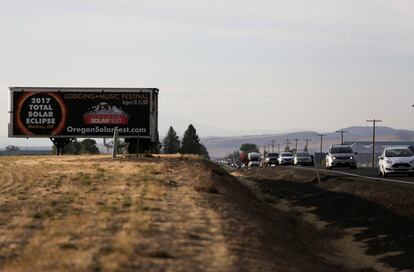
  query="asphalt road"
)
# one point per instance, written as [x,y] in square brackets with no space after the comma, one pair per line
[369,173]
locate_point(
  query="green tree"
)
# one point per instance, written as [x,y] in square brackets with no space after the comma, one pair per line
[247,148]
[171,142]
[204,152]
[73,148]
[88,146]
[191,141]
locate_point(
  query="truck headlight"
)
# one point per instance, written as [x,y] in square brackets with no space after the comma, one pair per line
[334,158]
[351,158]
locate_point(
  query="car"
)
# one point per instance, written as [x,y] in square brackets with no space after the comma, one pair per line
[341,156]
[286,158]
[302,158]
[254,159]
[395,160]
[271,159]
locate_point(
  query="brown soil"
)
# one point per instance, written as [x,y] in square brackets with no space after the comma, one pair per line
[179,213]
[379,217]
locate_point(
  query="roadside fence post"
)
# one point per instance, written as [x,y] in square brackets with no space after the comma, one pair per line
[317,170]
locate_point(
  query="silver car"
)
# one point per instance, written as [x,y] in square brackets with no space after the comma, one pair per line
[396,160]
[286,158]
[341,156]
[302,158]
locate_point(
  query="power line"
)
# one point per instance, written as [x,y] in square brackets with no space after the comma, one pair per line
[296,144]
[373,121]
[287,142]
[307,144]
[321,135]
[342,135]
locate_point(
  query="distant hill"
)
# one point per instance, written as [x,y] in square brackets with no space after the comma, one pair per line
[220,146]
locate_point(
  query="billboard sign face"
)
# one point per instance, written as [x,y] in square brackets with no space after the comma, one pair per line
[81,113]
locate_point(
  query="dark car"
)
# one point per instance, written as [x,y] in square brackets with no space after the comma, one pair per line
[271,159]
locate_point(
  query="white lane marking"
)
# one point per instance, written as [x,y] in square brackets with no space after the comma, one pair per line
[355,175]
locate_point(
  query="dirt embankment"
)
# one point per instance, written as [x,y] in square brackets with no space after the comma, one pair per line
[155,214]
[378,218]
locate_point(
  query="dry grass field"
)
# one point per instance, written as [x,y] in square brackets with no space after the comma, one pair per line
[179,213]
[92,213]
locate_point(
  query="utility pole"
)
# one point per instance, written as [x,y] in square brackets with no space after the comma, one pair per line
[342,135]
[296,144]
[307,144]
[287,141]
[273,145]
[321,135]
[278,148]
[373,121]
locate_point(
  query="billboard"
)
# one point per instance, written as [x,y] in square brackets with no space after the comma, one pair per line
[80,112]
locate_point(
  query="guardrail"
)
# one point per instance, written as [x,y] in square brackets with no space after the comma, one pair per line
[320,170]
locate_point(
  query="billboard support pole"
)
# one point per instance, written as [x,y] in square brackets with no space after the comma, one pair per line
[115,146]
[138,143]
[60,144]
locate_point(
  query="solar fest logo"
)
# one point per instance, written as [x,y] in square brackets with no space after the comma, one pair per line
[105,114]
[40,113]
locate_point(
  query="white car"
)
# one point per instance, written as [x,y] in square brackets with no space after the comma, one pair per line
[341,156]
[396,160]
[254,159]
[302,158]
[286,158]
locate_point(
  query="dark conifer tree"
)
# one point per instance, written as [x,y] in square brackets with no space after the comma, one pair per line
[204,152]
[191,141]
[171,142]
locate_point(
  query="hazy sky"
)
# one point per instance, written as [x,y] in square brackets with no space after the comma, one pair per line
[224,65]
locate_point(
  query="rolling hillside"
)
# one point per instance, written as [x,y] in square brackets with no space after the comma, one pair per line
[219,146]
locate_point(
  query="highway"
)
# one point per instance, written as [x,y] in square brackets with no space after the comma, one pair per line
[365,173]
